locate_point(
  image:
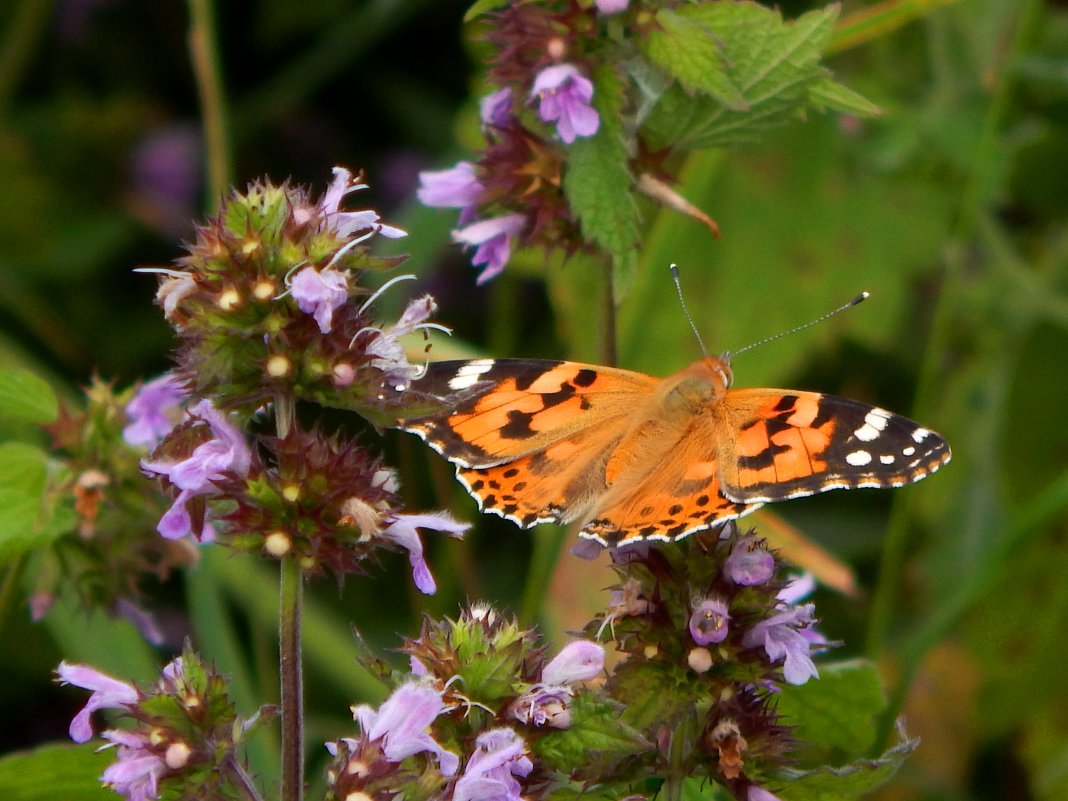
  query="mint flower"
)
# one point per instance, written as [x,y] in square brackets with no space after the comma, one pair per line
[548,703]
[388,354]
[612,6]
[108,693]
[493,240]
[136,771]
[400,723]
[757,793]
[457,187]
[708,623]
[500,756]
[565,94]
[789,635]
[402,529]
[749,563]
[496,108]
[153,411]
[345,223]
[196,475]
[580,660]
[320,293]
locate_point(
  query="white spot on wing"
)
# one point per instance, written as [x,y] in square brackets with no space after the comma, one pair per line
[468,374]
[887,458]
[920,434]
[908,451]
[874,423]
[858,458]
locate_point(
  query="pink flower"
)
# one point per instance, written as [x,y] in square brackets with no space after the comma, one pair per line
[708,623]
[401,724]
[789,635]
[320,293]
[493,241]
[500,756]
[612,6]
[346,223]
[108,693]
[403,530]
[136,771]
[577,661]
[388,353]
[565,96]
[153,411]
[548,703]
[496,108]
[749,563]
[455,188]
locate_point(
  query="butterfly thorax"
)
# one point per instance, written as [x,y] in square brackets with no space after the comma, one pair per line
[694,386]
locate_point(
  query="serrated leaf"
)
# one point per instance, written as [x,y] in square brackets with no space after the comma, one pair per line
[829,94]
[598,185]
[596,734]
[55,771]
[24,521]
[772,62]
[689,52]
[838,711]
[25,396]
[846,783]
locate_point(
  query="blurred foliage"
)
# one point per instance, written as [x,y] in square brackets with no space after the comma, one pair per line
[951,209]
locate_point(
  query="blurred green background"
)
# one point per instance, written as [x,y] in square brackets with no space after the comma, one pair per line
[951,210]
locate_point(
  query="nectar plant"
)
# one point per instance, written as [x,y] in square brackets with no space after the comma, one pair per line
[697,674]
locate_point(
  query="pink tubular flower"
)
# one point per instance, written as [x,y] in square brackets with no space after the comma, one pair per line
[789,635]
[708,623]
[500,756]
[565,96]
[401,723]
[403,530]
[195,475]
[320,293]
[455,188]
[153,411]
[388,353]
[108,693]
[493,241]
[757,793]
[612,6]
[577,661]
[346,223]
[136,771]
[496,108]
[548,703]
[749,563]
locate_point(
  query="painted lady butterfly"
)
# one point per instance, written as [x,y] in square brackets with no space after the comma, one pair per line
[636,457]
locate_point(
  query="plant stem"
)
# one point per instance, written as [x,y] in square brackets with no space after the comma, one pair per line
[607,342]
[292,680]
[203,52]
[243,781]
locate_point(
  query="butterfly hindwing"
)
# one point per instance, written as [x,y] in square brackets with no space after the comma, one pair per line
[780,444]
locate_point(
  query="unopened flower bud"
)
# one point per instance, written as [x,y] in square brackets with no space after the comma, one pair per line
[264,290]
[229,299]
[699,659]
[278,366]
[291,492]
[556,48]
[277,544]
[177,755]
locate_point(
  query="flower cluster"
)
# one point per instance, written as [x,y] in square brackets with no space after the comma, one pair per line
[183,732]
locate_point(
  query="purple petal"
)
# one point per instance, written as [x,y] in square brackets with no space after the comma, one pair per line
[749,563]
[457,187]
[709,621]
[107,692]
[496,108]
[577,661]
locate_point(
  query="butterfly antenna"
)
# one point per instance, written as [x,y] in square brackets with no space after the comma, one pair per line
[685,311]
[859,298]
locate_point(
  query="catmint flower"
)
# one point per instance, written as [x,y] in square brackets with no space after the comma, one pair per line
[403,530]
[400,723]
[788,635]
[153,411]
[136,771]
[386,351]
[496,108]
[577,661]
[708,623]
[226,452]
[493,241]
[108,693]
[758,793]
[454,188]
[749,563]
[320,293]
[799,587]
[346,223]
[565,94]
[612,6]
[500,756]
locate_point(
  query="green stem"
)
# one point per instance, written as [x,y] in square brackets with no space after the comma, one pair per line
[292,680]
[8,586]
[26,26]
[609,351]
[203,52]
[243,780]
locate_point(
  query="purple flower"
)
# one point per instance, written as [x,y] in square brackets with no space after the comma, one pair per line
[757,793]
[196,474]
[401,723]
[493,240]
[455,188]
[165,175]
[789,635]
[403,530]
[108,693]
[346,223]
[799,587]
[749,563]
[500,756]
[708,623]
[320,293]
[577,661]
[153,411]
[496,108]
[388,353]
[565,96]
[612,6]
[136,771]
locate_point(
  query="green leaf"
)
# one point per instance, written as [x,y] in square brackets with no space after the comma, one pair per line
[846,783]
[70,772]
[689,52]
[598,185]
[24,396]
[772,62]
[839,709]
[480,7]
[829,94]
[596,737]
[25,523]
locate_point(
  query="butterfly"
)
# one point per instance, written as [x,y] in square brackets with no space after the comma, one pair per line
[634,457]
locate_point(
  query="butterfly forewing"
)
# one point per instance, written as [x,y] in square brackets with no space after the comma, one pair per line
[780,444]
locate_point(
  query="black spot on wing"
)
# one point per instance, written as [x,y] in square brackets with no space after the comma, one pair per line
[518,425]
